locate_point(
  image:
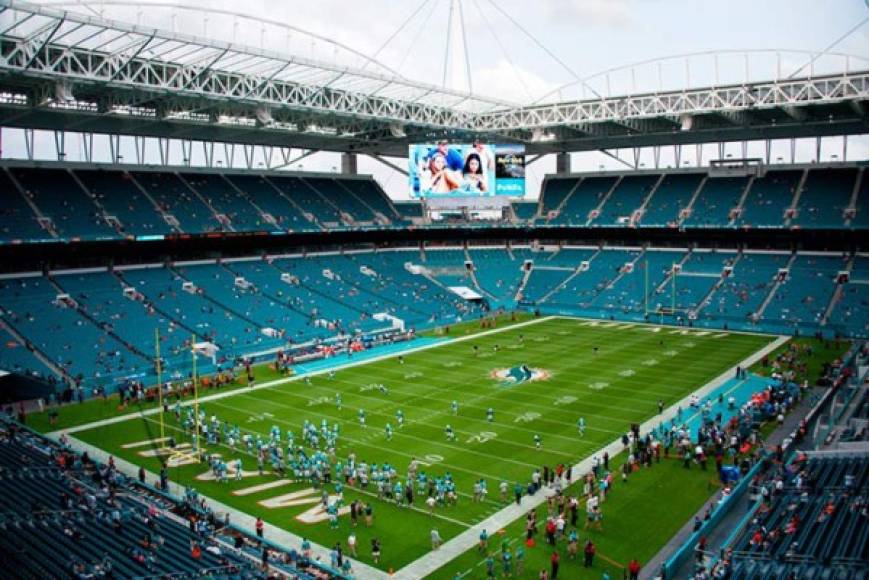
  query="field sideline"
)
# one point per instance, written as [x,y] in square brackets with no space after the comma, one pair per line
[633,367]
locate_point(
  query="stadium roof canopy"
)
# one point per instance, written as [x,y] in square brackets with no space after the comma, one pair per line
[68,71]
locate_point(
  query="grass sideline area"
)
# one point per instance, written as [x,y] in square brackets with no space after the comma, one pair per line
[96,409]
[812,353]
[640,516]
[612,374]
[822,352]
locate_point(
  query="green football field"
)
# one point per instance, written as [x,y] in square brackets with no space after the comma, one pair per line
[540,380]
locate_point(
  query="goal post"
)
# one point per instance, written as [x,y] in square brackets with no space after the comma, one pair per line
[662,299]
[193,454]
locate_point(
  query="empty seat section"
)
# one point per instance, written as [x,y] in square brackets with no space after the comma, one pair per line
[17,358]
[121,198]
[227,201]
[370,193]
[287,216]
[582,289]
[17,219]
[543,280]
[586,197]
[743,292]
[714,202]
[314,296]
[232,334]
[176,199]
[497,273]
[132,319]
[803,297]
[448,267]
[409,209]
[341,198]
[525,212]
[768,199]
[825,197]
[861,219]
[565,257]
[555,191]
[308,199]
[670,198]
[851,312]
[626,197]
[59,197]
[402,286]
[698,276]
[249,304]
[361,280]
[63,335]
[628,292]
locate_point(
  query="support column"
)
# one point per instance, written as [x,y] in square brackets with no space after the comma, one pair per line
[562,162]
[349,164]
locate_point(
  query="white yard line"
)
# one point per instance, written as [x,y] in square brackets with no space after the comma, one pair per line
[460,544]
[464,541]
[294,378]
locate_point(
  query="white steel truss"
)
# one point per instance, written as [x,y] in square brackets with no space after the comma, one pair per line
[748,97]
[70,71]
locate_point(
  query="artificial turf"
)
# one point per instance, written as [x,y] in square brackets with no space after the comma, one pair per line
[609,373]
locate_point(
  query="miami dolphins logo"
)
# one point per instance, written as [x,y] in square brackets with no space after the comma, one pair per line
[518,375]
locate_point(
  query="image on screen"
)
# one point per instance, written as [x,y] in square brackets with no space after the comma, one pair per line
[465,170]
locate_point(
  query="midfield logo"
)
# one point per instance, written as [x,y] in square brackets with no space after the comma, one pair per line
[519,374]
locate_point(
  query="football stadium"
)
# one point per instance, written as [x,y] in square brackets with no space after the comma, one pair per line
[439,289]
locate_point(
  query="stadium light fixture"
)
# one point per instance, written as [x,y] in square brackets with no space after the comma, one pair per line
[63,93]
[540,135]
[264,116]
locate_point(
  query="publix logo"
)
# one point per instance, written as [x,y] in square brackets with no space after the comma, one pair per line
[517,375]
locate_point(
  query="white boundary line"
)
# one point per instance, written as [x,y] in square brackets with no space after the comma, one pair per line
[276,534]
[688,329]
[460,544]
[300,376]
[238,517]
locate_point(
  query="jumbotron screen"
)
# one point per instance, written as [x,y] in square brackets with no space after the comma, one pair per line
[463,170]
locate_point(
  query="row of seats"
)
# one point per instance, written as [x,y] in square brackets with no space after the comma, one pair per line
[58,524]
[764,570]
[41,204]
[105,331]
[820,517]
[819,198]
[94,204]
[739,291]
[63,516]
